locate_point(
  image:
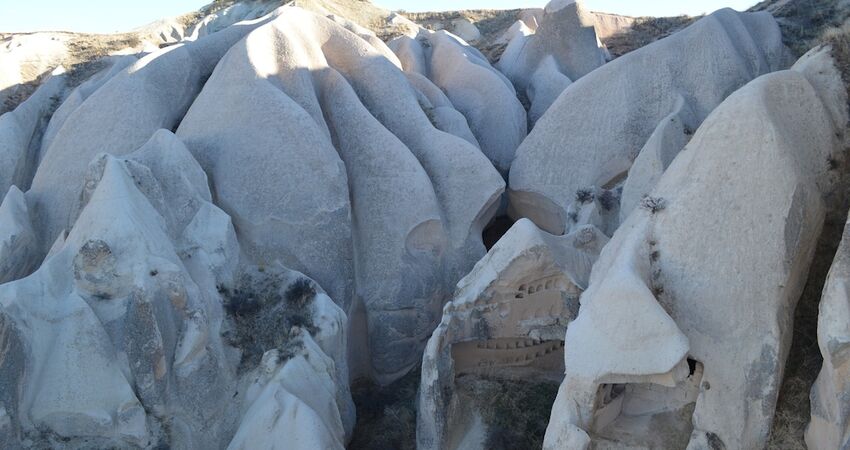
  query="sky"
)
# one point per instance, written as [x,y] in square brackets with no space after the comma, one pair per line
[104,16]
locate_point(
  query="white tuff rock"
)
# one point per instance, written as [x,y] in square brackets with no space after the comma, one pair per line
[507,319]
[380,207]
[562,48]
[469,81]
[683,333]
[591,135]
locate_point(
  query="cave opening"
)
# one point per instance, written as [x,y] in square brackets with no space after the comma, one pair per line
[495,230]
[647,414]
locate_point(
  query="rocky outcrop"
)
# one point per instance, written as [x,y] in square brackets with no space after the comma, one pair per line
[21,132]
[17,239]
[116,341]
[465,29]
[292,405]
[607,25]
[117,285]
[293,342]
[114,65]
[830,414]
[221,19]
[684,330]
[469,81]
[592,134]
[670,136]
[562,48]
[210,244]
[507,319]
[382,209]
[151,94]
[830,411]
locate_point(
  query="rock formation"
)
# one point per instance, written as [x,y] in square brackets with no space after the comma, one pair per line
[151,94]
[117,339]
[21,131]
[595,130]
[17,239]
[75,98]
[117,285]
[223,229]
[683,332]
[562,48]
[830,412]
[469,81]
[507,319]
[219,20]
[398,213]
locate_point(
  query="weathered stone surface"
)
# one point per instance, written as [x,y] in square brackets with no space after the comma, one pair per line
[229,16]
[398,213]
[668,139]
[114,65]
[592,134]
[117,285]
[26,57]
[119,117]
[469,81]
[18,247]
[281,319]
[830,410]
[121,328]
[21,131]
[507,320]
[439,108]
[710,272]
[291,405]
[465,29]
[562,49]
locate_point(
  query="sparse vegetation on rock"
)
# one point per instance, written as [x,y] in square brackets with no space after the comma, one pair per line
[264,309]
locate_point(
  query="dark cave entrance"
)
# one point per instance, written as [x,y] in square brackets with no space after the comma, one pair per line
[495,230]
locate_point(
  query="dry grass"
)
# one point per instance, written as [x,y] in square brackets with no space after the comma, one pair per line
[516,413]
[804,22]
[644,31]
[19,93]
[804,360]
[839,39]
[386,416]
[492,23]
[86,53]
[263,310]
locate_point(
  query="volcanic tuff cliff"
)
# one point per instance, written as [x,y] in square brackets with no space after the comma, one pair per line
[324,224]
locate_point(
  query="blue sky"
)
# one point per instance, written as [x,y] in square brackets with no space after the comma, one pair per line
[119,15]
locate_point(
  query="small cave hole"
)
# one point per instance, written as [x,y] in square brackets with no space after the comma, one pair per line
[692,366]
[495,230]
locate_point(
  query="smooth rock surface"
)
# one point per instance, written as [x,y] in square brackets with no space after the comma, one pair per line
[707,274]
[21,131]
[469,81]
[562,49]
[594,131]
[119,117]
[18,247]
[395,195]
[829,426]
